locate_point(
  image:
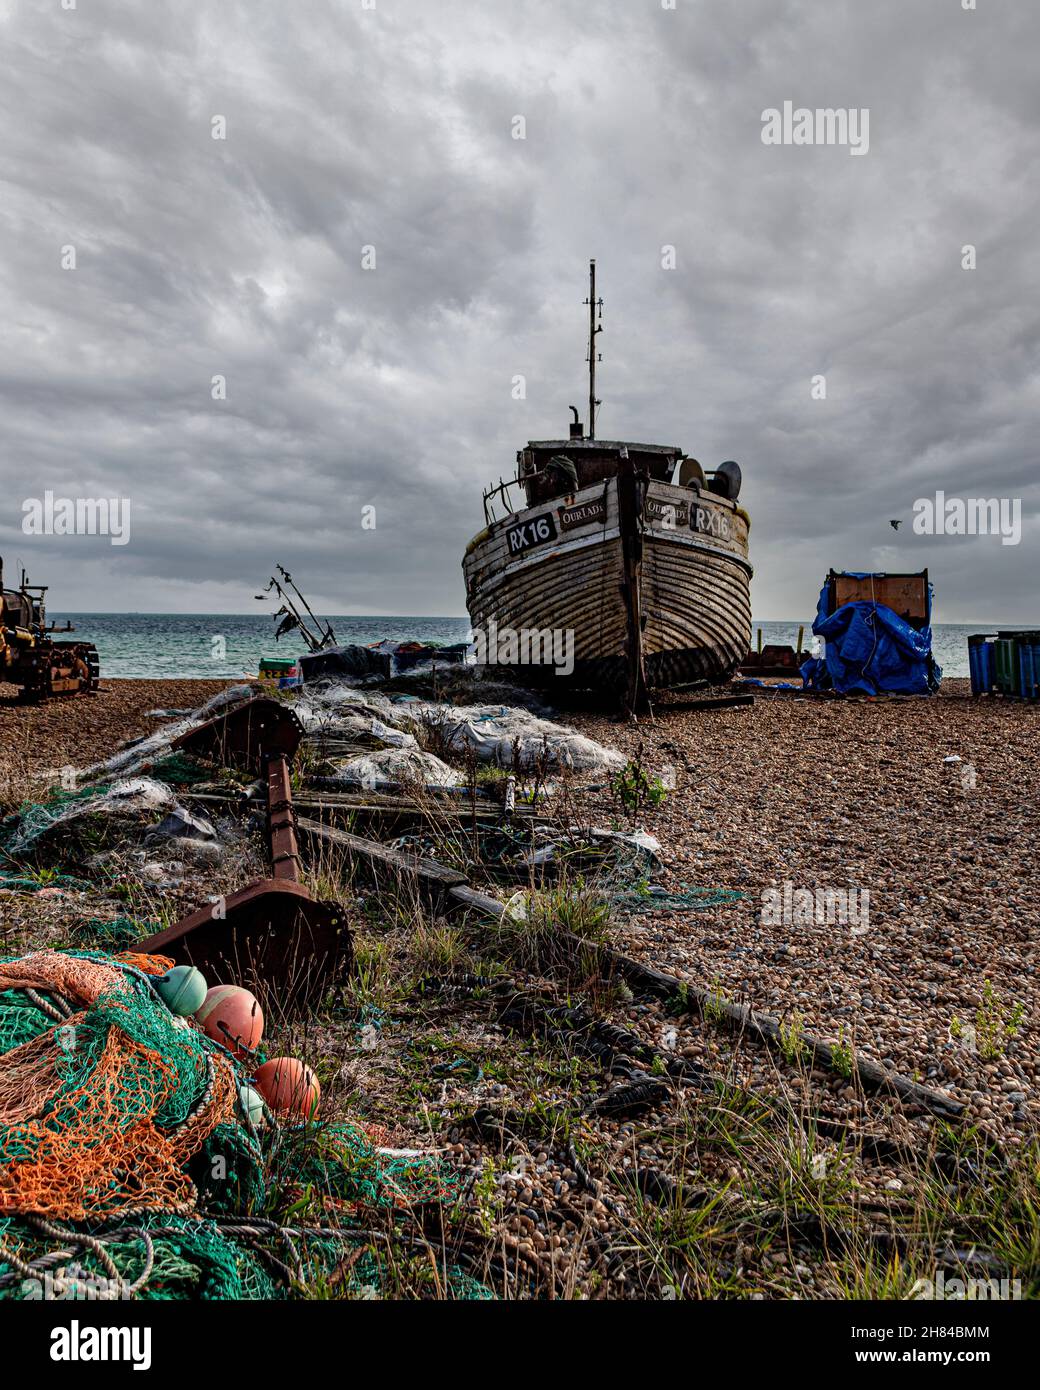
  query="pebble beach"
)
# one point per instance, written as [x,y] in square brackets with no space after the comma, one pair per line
[858,795]
[35,739]
[923,809]
[849,795]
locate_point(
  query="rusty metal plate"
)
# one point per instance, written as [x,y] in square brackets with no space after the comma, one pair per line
[905,594]
[273,938]
[245,735]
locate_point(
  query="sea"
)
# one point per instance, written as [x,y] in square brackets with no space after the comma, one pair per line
[211,646]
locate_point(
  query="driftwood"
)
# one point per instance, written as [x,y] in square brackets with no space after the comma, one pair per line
[762,1026]
[614,1047]
[471,898]
[767,1028]
[709,702]
[401,807]
[410,868]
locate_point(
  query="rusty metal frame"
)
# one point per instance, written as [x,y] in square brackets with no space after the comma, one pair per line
[271,935]
[246,735]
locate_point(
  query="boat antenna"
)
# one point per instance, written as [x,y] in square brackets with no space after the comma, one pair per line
[594,357]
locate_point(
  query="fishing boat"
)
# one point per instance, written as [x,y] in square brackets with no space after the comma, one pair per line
[628,560]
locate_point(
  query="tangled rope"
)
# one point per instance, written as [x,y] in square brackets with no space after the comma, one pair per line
[620,873]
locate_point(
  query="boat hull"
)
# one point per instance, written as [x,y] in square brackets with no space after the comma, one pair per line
[663,584]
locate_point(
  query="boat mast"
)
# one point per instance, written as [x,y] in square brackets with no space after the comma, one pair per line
[594,357]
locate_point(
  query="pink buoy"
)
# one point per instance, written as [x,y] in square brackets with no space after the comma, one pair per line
[289,1087]
[232,1016]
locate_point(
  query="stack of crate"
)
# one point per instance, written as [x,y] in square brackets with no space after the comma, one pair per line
[1005,663]
[284,670]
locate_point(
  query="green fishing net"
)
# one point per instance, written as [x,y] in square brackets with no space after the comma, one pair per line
[116,934]
[178,770]
[20,832]
[251,1184]
[20,1019]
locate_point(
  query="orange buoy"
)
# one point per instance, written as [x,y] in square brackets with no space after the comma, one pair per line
[289,1086]
[232,1016]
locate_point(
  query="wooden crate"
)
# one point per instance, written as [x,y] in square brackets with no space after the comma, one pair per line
[905,594]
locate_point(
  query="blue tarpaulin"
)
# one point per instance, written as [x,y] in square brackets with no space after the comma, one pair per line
[871,650]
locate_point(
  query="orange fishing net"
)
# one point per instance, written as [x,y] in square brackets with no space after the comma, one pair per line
[72,976]
[99,1115]
[150,965]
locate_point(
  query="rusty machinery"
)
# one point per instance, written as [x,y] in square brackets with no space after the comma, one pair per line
[29,655]
[271,935]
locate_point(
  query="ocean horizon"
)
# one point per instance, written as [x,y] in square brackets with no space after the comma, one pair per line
[225,646]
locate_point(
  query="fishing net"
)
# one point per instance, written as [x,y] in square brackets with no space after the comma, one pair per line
[81,823]
[113,935]
[628,887]
[21,881]
[178,770]
[21,1020]
[99,1114]
[619,872]
[31,821]
[157,1256]
[126,1168]
[345,1161]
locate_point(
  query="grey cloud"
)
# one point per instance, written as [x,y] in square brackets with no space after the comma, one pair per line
[392,127]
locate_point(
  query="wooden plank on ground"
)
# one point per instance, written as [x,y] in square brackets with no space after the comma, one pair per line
[612,963]
[709,702]
[763,1026]
[381,858]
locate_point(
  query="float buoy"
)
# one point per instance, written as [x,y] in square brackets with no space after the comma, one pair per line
[182,989]
[232,1016]
[250,1106]
[289,1086]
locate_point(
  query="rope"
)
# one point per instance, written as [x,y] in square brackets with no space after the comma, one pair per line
[58,1011]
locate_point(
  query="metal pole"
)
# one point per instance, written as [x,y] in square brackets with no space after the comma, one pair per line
[593,330]
[592,349]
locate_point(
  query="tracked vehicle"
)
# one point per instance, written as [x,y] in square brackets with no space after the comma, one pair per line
[29,655]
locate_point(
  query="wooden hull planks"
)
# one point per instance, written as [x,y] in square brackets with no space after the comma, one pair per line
[620,557]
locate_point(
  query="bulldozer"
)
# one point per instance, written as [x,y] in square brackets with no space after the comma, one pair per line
[29,655]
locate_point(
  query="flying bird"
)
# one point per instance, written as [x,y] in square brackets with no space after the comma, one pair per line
[894,525]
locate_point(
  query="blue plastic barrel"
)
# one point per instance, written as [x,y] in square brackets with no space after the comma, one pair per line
[1026,674]
[988,671]
[1029,664]
[975,665]
[980,663]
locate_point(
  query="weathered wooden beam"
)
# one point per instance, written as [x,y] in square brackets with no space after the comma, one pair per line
[391,807]
[765,1027]
[709,702]
[464,896]
[740,1016]
[768,1029]
[383,859]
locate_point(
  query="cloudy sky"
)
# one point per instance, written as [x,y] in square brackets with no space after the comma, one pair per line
[390,125]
